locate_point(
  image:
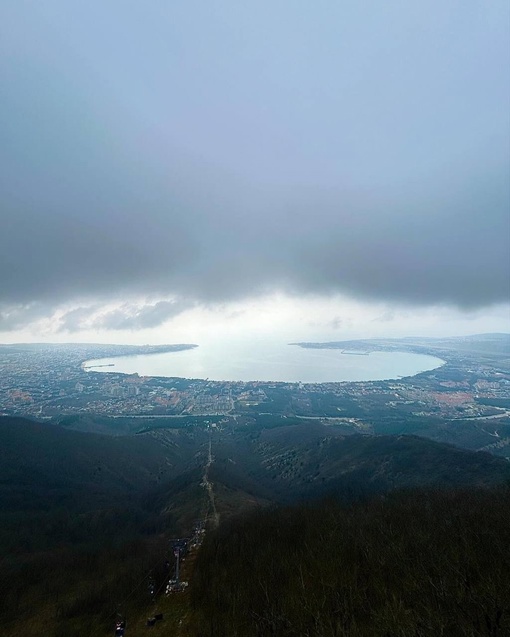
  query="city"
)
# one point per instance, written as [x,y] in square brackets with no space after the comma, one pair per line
[466,401]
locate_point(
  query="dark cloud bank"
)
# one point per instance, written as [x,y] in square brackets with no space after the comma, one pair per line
[205,176]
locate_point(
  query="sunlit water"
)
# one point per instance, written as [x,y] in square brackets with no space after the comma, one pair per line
[268,361]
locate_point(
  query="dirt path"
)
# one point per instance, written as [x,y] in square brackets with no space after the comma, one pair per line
[209,486]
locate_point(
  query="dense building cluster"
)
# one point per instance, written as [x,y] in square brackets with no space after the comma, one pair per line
[47,381]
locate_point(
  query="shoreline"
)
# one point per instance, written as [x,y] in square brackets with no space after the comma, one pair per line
[257,366]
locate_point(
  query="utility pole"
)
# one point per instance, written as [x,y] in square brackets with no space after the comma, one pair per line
[177,553]
[179,547]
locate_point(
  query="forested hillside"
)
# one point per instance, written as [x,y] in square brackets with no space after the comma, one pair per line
[421,563]
[86,519]
[83,517]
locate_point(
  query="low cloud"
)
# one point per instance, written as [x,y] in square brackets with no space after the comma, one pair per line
[386,317]
[217,179]
[132,317]
[20,315]
[337,323]
[79,318]
[129,316]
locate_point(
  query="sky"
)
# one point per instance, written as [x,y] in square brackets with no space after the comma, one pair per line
[170,171]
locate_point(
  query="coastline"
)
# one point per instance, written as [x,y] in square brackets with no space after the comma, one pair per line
[267,363]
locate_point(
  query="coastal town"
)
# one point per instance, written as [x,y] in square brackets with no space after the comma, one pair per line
[469,394]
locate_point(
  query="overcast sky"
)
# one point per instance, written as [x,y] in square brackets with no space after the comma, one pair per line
[328,168]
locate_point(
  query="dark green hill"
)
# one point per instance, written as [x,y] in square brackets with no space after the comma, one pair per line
[421,563]
[308,461]
[83,518]
[43,455]
[64,487]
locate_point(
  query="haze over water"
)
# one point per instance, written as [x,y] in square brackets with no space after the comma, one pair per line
[257,360]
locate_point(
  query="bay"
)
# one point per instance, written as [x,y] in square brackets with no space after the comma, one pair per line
[259,360]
